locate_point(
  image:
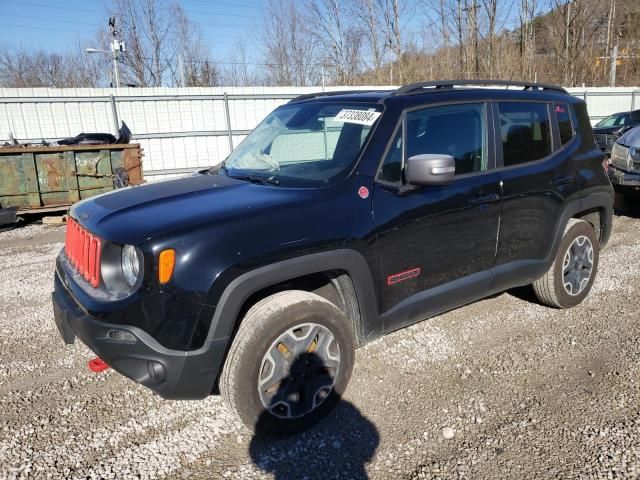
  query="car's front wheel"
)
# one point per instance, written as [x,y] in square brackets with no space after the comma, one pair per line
[574,269]
[289,363]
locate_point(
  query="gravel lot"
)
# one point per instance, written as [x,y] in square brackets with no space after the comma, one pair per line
[501,388]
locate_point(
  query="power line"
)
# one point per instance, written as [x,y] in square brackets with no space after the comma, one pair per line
[31,17]
[235,5]
[53,29]
[198,12]
[87,10]
[31,27]
[57,7]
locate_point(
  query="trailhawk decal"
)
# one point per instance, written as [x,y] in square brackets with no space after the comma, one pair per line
[361,117]
[402,276]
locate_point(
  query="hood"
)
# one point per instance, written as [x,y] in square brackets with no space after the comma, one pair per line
[631,138]
[135,214]
[613,129]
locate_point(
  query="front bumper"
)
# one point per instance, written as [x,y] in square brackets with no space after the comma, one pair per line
[623,179]
[173,374]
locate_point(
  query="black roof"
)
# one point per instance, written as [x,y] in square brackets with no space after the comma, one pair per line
[444,86]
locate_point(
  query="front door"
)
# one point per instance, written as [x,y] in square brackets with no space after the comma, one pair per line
[437,244]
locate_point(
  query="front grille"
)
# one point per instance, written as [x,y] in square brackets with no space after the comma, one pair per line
[604,140]
[83,251]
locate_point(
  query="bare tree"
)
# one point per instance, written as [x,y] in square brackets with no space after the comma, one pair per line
[21,67]
[290,53]
[527,41]
[571,27]
[164,47]
[237,69]
[340,39]
[490,8]
[367,14]
[392,12]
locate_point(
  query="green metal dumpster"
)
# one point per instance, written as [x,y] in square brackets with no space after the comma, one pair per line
[41,179]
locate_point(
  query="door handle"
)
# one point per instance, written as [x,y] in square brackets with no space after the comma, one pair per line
[556,182]
[483,199]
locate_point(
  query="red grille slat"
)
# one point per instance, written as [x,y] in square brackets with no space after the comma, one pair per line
[85,254]
[83,250]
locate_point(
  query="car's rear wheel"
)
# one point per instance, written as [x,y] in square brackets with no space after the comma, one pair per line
[574,269]
[289,363]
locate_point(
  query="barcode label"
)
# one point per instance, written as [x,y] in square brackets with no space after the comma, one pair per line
[361,117]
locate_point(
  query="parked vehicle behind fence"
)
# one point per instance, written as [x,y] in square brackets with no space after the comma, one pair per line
[607,130]
[625,163]
[340,218]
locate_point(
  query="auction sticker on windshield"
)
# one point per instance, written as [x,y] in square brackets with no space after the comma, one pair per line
[362,117]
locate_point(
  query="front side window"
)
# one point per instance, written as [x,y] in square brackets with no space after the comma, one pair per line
[565,127]
[525,131]
[306,143]
[456,130]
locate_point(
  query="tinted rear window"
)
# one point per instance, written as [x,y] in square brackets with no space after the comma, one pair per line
[524,127]
[565,127]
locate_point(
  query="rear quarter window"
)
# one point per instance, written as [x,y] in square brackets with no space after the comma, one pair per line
[565,123]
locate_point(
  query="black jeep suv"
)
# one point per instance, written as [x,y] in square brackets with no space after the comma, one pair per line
[341,217]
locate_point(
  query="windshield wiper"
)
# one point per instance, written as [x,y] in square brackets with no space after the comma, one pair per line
[257,179]
[217,169]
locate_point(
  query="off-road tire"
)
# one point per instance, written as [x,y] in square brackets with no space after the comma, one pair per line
[262,325]
[550,289]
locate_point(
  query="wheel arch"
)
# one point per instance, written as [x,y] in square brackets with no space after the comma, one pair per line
[596,209]
[346,271]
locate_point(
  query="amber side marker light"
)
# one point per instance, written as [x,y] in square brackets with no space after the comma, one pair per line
[166,261]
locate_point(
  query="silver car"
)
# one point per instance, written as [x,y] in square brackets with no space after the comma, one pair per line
[624,168]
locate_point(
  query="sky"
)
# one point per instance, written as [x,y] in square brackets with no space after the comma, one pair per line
[59,24]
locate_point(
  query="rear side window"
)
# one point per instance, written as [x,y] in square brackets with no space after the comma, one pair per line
[565,127]
[525,131]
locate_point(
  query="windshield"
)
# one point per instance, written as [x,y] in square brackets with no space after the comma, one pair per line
[304,144]
[614,120]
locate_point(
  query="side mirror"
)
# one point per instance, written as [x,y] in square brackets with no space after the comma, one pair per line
[430,169]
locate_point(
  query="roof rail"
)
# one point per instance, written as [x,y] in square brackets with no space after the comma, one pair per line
[307,96]
[418,87]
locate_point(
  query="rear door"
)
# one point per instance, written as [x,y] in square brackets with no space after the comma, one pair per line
[437,243]
[534,161]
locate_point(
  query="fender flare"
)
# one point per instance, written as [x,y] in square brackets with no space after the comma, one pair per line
[239,290]
[598,200]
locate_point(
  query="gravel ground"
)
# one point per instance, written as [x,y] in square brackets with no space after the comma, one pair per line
[501,388]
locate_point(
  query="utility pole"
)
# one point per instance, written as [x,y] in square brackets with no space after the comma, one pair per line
[610,30]
[612,66]
[181,69]
[567,22]
[117,47]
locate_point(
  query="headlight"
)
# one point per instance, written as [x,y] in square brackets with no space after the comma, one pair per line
[130,264]
[619,156]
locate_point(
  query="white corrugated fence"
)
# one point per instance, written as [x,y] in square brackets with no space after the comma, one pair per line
[181,129]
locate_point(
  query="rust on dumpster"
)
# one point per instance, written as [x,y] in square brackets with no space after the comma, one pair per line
[48,178]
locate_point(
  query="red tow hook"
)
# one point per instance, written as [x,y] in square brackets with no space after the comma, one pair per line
[97,365]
